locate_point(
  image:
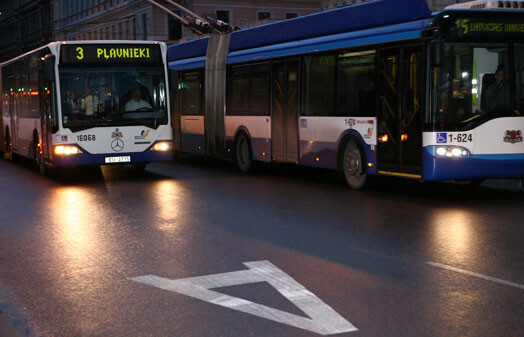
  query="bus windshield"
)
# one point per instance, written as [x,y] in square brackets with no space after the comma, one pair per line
[111,96]
[477,83]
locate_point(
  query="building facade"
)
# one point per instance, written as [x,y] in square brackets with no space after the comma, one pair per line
[244,14]
[141,20]
[24,25]
[28,24]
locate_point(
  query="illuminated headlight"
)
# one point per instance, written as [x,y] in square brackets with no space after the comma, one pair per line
[161,146]
[452,152]
[67,150]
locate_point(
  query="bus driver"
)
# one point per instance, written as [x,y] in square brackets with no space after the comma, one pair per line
[136,102]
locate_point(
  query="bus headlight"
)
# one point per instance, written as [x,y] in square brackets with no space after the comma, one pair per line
[452,152]
[161,146]
[67,150]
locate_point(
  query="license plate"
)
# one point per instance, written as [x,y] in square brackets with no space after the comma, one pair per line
[121,159]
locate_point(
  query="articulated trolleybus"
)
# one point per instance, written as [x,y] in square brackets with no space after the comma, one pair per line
[88,103]
[380,88]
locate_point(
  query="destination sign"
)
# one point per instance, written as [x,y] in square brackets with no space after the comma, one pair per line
[110,53]
[480,25]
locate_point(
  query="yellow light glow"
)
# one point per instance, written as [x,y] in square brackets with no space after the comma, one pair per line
[370,164]
[456,152]
[162,146]
[317,159]
[383,138]
[404,137]
[453,235]
[66,150]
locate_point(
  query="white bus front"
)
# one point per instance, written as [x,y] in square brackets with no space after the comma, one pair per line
[476,115]
[112,104]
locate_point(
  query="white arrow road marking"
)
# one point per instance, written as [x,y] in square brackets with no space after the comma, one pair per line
[323,319]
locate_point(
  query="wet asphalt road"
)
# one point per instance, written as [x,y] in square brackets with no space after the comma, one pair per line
[70,243]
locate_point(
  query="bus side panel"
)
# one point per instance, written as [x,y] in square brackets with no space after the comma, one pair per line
[320,138]
[2,118]
[258,129]
[25,130]
[192,131]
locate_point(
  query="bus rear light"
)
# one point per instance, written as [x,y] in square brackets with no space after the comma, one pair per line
[161,146]
[66,150]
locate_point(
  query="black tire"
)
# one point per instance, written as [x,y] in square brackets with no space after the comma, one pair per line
[3,149]
[9,150]
[353,165]
[38,156]
[471,182]
[243,153]
[140,167]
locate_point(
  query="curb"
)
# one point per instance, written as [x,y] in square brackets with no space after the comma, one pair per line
[6,328]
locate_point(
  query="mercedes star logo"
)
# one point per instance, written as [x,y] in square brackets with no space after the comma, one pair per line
[117,145]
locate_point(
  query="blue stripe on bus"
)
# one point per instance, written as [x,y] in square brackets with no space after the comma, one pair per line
[494,166]
[403,31]
[259,146]
[506,156]
[197,62]
[192,141]
[399,32]
[99,159]
[352,18]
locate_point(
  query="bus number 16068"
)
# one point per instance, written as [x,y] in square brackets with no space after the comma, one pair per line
[85,138]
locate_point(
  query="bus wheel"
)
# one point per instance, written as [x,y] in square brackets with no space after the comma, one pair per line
[44,170]
[243,153]
[9,148]
[354,169]
[140,167]
[38,156]
[471,182]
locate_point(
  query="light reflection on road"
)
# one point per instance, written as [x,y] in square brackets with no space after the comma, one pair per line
[453,235]
[76,217]
[168,199]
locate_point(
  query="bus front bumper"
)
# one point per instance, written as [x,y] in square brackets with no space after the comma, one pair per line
[474,167]
[81,159]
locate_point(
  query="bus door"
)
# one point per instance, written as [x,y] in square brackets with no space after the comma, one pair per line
[46,91]
[284,112]
[13,118]
[399,117]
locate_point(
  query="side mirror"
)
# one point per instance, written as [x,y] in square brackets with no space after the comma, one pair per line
[49,68]
[436,52]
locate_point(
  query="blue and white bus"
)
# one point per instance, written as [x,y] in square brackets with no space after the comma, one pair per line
[87,103]
[380,88]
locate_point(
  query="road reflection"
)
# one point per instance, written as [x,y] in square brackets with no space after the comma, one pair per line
[453,235]
[76,216]
[167,195]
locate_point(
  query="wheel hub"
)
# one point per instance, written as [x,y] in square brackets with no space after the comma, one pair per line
[353,161]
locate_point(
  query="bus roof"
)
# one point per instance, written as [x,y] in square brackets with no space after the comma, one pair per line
[346,19]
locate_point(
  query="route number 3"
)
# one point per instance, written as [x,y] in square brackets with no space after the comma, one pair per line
[80,52]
